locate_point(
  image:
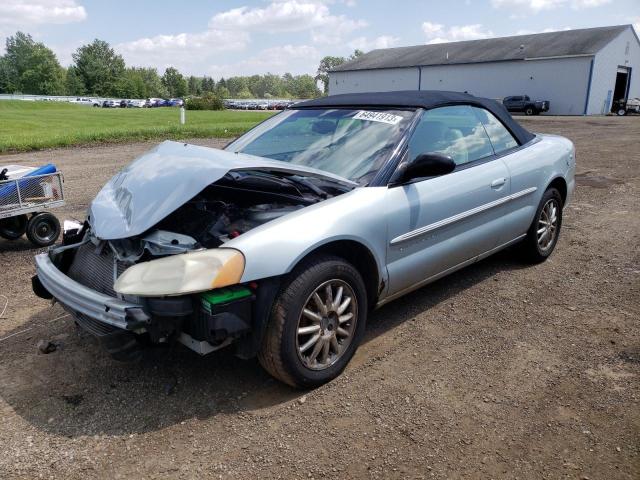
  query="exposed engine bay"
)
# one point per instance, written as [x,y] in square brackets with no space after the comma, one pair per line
[235,204]
[238,203]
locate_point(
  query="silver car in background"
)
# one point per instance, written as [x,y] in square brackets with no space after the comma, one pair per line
[281,243]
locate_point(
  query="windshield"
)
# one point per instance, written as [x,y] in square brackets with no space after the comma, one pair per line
[352,143]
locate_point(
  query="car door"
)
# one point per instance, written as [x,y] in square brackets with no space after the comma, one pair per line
[525,172]
[437,224]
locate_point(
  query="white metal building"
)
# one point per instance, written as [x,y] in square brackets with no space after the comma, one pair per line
[581,72]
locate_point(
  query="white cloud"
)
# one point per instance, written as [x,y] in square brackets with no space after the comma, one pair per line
[526,31]
[589,3]
[383,41]
[432,29]
[24,13]
[189,52]
[231,30]
[289,16]
[437,33]
[535,5]
[539,5]
[295,59]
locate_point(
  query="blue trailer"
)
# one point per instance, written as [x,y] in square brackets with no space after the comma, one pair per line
[25,192]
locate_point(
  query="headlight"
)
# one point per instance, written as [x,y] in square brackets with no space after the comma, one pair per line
[181,274]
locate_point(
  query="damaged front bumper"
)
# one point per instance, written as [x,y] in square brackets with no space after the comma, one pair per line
[112,311]
[202,322]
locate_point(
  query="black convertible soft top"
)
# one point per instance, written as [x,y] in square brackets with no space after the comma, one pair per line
[426,99]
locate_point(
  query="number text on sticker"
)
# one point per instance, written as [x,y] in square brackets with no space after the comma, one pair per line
[381,117]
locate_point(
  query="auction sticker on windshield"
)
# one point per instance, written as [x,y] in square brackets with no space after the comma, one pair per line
[381,117]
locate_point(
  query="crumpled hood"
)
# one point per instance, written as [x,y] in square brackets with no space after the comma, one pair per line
[165,178]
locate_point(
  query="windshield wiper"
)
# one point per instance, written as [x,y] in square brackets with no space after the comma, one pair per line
[310,185]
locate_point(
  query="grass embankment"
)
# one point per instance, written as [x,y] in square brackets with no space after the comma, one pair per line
[28,126]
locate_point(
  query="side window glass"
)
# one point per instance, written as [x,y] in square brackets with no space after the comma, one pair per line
[454,131]
[500,137]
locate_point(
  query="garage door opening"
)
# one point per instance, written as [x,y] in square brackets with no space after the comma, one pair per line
[621,90]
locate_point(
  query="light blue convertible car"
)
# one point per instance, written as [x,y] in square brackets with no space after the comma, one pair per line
[283,242]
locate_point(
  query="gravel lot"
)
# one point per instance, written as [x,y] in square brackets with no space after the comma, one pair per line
[498,371]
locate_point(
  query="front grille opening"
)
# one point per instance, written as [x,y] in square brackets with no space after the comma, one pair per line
[96,270]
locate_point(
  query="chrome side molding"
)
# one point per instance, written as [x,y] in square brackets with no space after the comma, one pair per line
[461,216]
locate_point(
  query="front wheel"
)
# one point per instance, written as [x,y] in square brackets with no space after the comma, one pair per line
[544,231]
[529,111]
[316,324]
[621,112]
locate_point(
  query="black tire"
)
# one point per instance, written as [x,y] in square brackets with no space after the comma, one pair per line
[279,352]
[13,228]
[621,112]
[531,248]
[529,111]
[43,229]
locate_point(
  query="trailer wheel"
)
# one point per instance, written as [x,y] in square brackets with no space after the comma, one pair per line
[43,229]
[14,227]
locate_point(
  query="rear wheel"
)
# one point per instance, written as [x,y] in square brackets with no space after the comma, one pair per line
[544,231]
[14,227]
[316,323]
[43,229]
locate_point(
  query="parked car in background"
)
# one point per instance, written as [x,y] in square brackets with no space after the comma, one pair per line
[110,104]
[279,105]
[136,103]
[283,242]
[159,102]
[175,102]
[523,104]
[86,101]
[123,103]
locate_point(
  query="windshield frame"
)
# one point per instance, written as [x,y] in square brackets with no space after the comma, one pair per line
[386,169]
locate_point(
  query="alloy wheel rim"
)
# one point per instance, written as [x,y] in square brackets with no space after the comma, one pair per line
[326,325]
[548,225]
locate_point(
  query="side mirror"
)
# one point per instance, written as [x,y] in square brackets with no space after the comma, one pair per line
[425,165]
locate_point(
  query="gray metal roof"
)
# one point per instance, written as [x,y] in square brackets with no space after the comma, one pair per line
[586,41]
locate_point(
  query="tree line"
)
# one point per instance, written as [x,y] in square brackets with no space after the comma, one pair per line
[31,67]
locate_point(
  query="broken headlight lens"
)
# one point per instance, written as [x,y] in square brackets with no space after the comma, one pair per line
[182,274]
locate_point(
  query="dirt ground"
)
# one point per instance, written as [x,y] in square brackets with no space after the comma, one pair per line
[498,371]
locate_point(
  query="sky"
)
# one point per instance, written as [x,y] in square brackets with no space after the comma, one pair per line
[221,38]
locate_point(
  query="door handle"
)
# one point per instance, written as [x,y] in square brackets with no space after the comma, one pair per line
[499,182]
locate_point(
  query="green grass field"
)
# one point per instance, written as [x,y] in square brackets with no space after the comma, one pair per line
[28,126]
